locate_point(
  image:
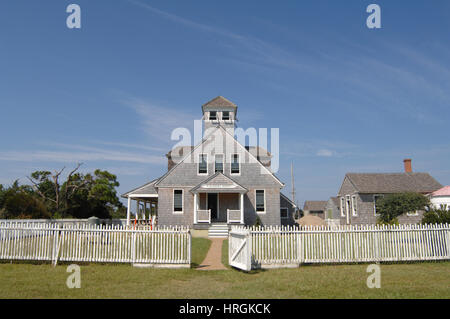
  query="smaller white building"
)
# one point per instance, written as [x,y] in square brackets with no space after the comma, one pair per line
[440,199]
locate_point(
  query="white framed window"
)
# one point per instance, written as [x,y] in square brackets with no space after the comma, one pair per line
[213,115]
[347,205]
[218,163]
[260,201]
[342,207]
[202,164]
[416,213]
[235,167]
[375,198]
[354,205]
[284,212]
[178,201]
[225,115]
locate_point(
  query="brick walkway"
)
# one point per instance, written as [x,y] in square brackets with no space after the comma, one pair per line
[213,259]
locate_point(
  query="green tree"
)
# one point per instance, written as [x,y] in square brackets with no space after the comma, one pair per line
[392,206]
[436,216]
[98,196]
[21,202]
[80,195]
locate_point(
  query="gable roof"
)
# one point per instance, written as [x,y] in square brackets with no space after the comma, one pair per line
[444,191]
[315,205]
[288,199]
[393,182]
[203,141]
[219,183]
[146,189]
[218,102]
[335,201]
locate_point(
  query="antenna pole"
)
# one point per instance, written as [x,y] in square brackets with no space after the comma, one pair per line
[293,183]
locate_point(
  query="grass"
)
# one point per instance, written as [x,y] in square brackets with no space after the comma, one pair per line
[37,280]
[225,254]
[419,280]
[200,247]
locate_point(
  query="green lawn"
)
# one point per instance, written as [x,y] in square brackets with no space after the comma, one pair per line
[418,280]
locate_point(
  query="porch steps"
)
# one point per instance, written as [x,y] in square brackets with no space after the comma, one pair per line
[218,230]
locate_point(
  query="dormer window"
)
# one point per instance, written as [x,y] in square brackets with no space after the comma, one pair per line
[235,166]
[202,164]
[225,115]
[212,115]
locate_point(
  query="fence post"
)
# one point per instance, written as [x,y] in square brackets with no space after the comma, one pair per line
[55,250]
[133,247]
[249,251]
[189,246]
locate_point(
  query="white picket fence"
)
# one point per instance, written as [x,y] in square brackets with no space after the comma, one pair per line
[90,243]
[240,249]
[291,246]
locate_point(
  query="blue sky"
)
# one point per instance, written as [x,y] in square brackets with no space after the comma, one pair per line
[346,98]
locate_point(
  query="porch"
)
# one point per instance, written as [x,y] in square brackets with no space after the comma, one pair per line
[144,200]
[218,199]
[218,208]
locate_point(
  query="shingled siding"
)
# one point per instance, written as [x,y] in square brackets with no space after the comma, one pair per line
[291,209]
[252,173]
[272,214]
[366,215]
[166,217]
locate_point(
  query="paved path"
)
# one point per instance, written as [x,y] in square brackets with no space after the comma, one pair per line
[213,259]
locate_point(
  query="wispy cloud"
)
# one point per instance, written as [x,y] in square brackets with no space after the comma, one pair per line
[325,153]
[69,153]
[159,121]
[317,147]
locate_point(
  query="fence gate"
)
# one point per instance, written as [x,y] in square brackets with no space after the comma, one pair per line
[240,249]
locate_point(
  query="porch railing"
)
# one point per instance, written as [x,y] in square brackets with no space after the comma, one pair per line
[204,216]
[234,215]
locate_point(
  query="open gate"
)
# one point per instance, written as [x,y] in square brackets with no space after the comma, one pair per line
[240,249]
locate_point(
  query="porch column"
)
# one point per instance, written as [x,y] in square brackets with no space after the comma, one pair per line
[137,209]
[195,208]
[242,208]
[128,211]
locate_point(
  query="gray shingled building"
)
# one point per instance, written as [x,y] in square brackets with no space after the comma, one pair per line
[217,181]
[360,191]
[315,207]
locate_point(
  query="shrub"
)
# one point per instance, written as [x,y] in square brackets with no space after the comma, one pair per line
[438,216]
[257,222]
[392,206]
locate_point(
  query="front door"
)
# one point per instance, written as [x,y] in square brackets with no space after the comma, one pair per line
[213,204]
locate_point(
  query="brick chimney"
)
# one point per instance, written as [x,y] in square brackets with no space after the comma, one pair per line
[407,164]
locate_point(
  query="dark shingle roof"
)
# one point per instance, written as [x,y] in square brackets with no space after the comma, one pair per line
[179,151]
[335,200]
[258,151]
[393,182]
[219,183]
[315,205]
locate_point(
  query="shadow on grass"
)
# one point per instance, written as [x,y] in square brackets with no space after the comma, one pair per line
[200,247]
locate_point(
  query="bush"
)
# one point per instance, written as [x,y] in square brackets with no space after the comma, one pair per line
[392,206]
[438,216]
[24,206]
[257,222]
